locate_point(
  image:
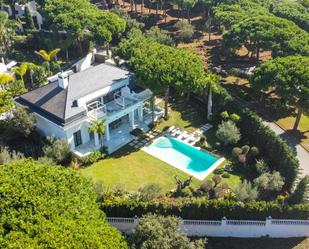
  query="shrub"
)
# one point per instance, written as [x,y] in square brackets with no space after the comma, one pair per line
[150,191]
[301,192]
[185,31]
[234,117]
[7,156]
[228,133]
[93,157]
[160,36]
[22,121]
[218,171]
[226,175]
[224,115]
[57,150]
[156,231]
[246,192]
[261,167]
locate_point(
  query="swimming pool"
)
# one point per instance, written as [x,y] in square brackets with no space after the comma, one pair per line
[183,156]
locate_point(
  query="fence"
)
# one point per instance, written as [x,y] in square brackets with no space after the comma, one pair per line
[229,228]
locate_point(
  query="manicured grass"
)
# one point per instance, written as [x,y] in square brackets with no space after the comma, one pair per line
[183,115]
[288,122]
[265,243]
[132,169]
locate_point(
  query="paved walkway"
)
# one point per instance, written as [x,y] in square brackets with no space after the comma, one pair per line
[302,154]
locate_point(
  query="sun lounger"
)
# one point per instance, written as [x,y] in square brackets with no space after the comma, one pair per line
[184,136]
[170,129]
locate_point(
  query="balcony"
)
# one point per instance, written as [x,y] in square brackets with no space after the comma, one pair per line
[97,109]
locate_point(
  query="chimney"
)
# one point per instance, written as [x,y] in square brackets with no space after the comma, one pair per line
[63,80]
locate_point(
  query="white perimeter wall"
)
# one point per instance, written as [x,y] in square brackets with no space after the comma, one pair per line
[229,228]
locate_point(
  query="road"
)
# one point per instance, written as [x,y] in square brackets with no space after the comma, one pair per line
[302,154]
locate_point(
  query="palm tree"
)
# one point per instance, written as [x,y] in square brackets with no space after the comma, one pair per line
[5,79]
[21,71]
[152,107]
[98,126]
[48,56]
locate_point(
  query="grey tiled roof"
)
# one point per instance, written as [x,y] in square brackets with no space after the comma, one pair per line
[59,105]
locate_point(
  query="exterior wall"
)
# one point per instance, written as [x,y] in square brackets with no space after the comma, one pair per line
[229,228]
[48,128]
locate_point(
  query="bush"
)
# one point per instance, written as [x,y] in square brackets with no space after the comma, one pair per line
[218,171]
[185,31]
[93,157]
[7,156]
[22,121]
[246,192]
[224,115]
[261,167]
[234,117]
[58,150]
[150,191]
[202,208]
[156,231]
[228,133]
[226,175]
[301,192]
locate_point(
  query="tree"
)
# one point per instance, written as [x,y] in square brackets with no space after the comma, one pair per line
[185,31]
[21,71]
[22,121]
[29,20]
[155,232]
[288,78]
[48,206]
[8,29]
[80,17]
[228,133]
[98,126]
[269,183]
[189,4]
[301,192]
[58,150]
[246,192]
[48,57]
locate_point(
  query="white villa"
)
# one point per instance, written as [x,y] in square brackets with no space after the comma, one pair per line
[65,107]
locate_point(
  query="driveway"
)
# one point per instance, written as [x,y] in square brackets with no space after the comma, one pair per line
[302,154]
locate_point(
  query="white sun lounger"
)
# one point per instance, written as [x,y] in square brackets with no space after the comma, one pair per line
[170,129]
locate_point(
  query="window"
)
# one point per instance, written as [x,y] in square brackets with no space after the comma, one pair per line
[77,138]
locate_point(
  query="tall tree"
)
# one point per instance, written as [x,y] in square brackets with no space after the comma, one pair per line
[288,77]
[51,207]
[29,20]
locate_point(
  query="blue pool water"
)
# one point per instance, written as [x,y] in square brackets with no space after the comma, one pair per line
[183,156]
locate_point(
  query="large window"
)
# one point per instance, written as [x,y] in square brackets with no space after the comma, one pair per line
[77,138]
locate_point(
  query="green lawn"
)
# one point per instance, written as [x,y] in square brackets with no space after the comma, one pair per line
[132,169]
[303,134]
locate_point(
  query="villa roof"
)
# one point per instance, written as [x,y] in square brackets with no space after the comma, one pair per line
[59,105]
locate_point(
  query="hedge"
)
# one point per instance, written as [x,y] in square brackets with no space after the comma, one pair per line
[274,149]
[205,209]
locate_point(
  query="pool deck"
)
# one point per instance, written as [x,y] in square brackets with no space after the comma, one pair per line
[200,176]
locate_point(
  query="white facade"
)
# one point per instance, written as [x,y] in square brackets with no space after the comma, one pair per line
[273,228]
[121,114]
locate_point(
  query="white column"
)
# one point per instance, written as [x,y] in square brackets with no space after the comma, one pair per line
[140,113]
[96,139]
[131,118]
[107,132]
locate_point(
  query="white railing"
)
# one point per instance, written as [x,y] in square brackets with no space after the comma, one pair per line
[229,228]
[96,110]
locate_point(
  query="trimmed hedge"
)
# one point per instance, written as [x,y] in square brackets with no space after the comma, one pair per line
[205,209]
